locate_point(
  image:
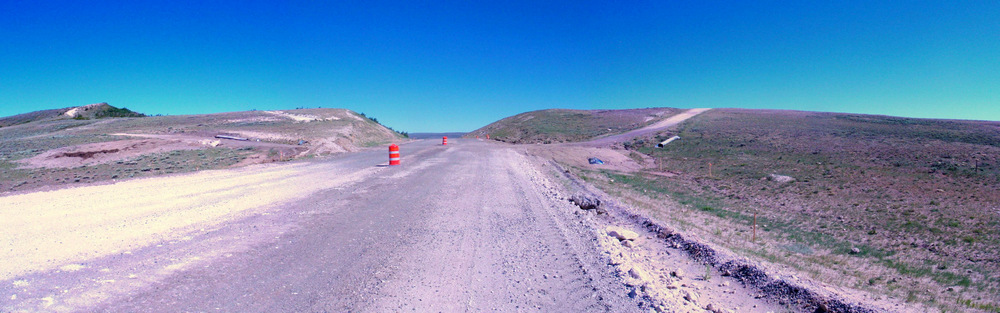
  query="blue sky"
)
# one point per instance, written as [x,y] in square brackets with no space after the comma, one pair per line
[456,66]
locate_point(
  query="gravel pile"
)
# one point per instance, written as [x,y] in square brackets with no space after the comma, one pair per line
[749,274]
[587,203]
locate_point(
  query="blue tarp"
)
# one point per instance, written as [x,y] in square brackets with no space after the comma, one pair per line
[595,161]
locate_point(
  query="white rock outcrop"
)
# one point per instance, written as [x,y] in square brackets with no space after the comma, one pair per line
[621,233]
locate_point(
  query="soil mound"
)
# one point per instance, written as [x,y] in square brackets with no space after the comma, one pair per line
[104,152]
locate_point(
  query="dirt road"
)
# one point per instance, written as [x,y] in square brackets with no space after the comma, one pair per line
[655,127]
[467,227]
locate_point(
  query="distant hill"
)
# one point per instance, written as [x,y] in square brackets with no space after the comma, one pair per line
[100,110]
[562,125]
[90,111]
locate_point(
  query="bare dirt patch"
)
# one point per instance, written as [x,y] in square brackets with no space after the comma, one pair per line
[88,154]
[78,111]
[302,117]
[105,152]
[616,160]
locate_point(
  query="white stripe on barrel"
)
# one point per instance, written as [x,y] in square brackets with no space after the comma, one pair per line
[393,154]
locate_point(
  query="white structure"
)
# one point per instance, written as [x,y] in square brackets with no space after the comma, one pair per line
[665,142]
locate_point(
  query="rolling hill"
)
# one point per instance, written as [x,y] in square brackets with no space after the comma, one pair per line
[90,111]
[562,125]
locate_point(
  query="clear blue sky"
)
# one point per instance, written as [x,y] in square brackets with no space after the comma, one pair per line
[458,65]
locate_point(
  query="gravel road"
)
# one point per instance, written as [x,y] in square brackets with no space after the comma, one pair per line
[471,226]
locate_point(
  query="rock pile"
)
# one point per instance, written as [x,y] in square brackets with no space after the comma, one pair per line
[587,203]
[780,178]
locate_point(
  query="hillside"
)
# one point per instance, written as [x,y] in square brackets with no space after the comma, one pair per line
[900,207]
[31,117]
[97,110]
[91,143]
[561,125]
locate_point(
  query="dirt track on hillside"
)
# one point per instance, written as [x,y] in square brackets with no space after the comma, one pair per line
[603,148]
[645,131]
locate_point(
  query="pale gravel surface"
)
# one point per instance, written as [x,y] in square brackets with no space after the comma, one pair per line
[44,230]
[665,278]
[468,227]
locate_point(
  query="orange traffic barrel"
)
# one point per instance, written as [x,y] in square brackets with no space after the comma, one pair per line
[393,154]
[444,141]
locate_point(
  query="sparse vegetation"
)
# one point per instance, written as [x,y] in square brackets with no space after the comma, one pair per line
[902,207]
[38,132]
[111,111]
[13,178]
[375,120]
[559,125]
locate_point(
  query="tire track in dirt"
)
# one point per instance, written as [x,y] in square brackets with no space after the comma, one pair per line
[503,251]
[468,227]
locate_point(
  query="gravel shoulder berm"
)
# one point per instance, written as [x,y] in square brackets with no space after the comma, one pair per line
[678,272]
